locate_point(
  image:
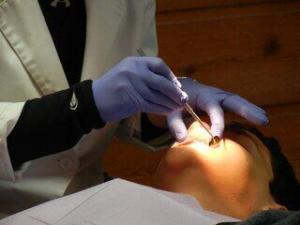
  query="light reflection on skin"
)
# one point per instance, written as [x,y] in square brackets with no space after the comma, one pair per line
[231,179]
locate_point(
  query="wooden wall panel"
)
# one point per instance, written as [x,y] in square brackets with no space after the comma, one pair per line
[174,5]
[237,48]
[262,82]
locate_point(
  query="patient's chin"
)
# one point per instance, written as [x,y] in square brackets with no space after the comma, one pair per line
[178,159]
[171,167]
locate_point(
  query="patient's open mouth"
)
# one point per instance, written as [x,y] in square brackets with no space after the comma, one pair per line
[190,140]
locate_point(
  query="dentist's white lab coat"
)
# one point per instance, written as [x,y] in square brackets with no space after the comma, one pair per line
[30,68]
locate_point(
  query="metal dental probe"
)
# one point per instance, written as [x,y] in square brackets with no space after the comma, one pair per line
[214,140]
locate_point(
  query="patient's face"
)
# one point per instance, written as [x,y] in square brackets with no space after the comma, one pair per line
[232,178]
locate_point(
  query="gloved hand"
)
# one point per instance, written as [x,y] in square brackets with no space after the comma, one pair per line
[213,101]
[137,84]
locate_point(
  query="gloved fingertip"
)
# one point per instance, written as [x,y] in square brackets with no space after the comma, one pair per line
[263,111]
[180,136]
[184,98]
[258,118]
[264,120]
[217,133]
[177,126]
[176,81]
[259,109]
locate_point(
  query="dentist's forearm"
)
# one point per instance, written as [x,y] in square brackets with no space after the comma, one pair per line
[53,123]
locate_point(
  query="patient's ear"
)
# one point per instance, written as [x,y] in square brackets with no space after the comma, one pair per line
[274,206]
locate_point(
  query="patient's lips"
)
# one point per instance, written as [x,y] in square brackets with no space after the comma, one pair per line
[199,134]
[189,140]
[197,139]
[195,135]
[215,142]
[194,143]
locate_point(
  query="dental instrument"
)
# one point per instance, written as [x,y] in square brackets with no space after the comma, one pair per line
[214,139]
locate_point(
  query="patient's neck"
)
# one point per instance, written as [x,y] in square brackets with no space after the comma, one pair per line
[227,197]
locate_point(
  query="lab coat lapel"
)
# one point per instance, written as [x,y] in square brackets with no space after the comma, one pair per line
[23,25]
[103,21]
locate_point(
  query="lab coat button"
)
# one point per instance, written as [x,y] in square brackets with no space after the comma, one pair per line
[66,163]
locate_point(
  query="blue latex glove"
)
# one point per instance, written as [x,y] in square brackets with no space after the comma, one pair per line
[137,84]
[213,101]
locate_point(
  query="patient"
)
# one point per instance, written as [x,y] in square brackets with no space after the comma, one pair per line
[244,174]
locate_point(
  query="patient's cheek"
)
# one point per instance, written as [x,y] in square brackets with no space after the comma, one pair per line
[185,156]
[175,166]
[175,161]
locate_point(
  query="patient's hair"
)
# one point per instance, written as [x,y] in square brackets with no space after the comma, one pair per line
[285,188]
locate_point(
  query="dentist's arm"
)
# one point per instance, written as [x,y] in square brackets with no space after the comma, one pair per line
[56,122]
